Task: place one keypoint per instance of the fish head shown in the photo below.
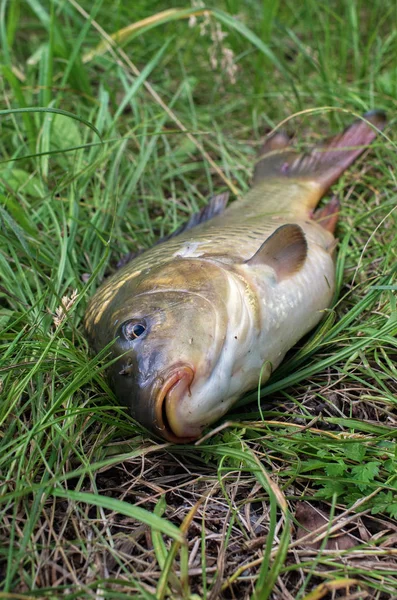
(168, 327)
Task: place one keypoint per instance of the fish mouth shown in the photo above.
(169, 422)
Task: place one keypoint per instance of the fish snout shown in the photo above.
(170, 422)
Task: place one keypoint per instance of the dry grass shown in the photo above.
(77, 547)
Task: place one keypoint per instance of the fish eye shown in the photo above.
(133, 329)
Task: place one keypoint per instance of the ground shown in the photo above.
(164, 114)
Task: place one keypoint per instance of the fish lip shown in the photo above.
(176, 383)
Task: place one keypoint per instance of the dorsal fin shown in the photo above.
(284, 251)
(215, 207)
(327, 161)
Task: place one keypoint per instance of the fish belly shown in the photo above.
(290, 308)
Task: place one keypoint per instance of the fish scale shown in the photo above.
(194, 322)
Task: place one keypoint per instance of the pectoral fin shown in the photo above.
(284, 251)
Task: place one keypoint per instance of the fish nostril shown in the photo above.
(127, 370)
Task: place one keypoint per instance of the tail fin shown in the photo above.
(326, 162)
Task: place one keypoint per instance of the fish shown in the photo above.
(193, 323)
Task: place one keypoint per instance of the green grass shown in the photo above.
(90, 505)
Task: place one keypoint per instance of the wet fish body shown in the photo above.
(196, 320)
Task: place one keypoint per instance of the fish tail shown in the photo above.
(325, 163)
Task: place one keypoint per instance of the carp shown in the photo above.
(197, 319)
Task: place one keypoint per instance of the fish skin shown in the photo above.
(225, 301)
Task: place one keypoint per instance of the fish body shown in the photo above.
(198, 319)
